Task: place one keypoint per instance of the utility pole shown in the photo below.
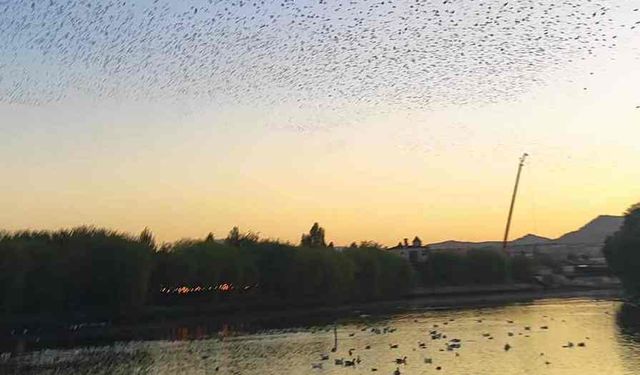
(513, 201)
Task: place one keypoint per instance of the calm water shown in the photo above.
(608, 329)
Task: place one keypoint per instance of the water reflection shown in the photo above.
(604, 338)
(122, 359)
(628, 319)
(628, 323)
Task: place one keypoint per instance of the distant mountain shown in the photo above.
(531, 239)
(595, 231)
(463, 245)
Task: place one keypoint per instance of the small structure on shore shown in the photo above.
(414, 252)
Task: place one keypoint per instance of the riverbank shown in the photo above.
(196, 322)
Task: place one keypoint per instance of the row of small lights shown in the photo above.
(224, 287)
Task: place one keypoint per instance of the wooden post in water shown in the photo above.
(335, 338)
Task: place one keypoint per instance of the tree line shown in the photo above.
(88, 269)
(475, 267)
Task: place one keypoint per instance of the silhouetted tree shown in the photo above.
(77, 270)
(87, 270)
(370, 245)
(147, 238)
(315, 238)
(486, 266)
(622, 251)
(233, 238)
(475, 266)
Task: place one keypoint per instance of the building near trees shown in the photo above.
(415, 252)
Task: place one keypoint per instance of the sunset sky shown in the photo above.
(190, 166)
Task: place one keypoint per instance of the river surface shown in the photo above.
(556, 336)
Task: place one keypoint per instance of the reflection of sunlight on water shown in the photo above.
(535, 332)
(628, 323)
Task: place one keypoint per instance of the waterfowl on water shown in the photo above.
(401, 361)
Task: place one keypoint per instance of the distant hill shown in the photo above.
(463, 245)
(531, 239)
(594, 232)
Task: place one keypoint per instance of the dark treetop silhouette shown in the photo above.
(97, 271)
(622, 251)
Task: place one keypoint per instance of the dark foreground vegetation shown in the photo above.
(87, 269)
(96, 271)
(622, 251)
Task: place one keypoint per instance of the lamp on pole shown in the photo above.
(513, 201)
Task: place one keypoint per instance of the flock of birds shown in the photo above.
(439, 340)
(443, 344)
(313, 54)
